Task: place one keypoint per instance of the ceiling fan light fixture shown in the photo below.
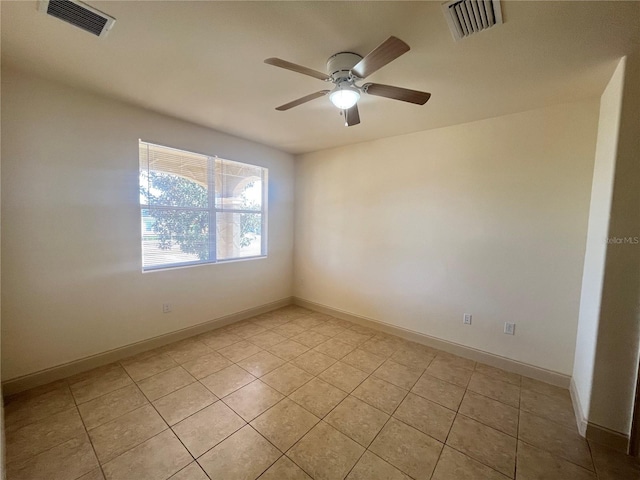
(344, 97)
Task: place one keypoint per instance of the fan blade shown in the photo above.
(300, 101)
(276, 62)
(396, 93)
(352, 116)
(385, 53)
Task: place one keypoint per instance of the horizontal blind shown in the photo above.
(199, 209)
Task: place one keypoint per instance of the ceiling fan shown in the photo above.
(344, 69)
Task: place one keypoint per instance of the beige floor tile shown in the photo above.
(145, 367)
(372, 467)
(557, 439)
(497, 389)
(318, 397)
(354, 338)
(37, 391)
(325, 453)
(363, 360)
(310, 338)
(158, 457)
(249, 330)
(289, 330)
(364, 330)
(266, 339)
(112, 405)
(31, 408)
(490, 412)
(320, 316)
(27, 441)
(536, 464)
(190, 472)
(328, 329)
(307, 322)
(449, 372)
(271, 322)
(284, 469)
(357, 420)
(399, 375)
(439, 391)
(253, 399)
(95, 474)
(340, 323)
(454, 465)
(343, 376)
(206, 365)
(261, 363)
(287, 378)
(556, 408)
(613, 465)
(313, 362)
(98, 382)
(409, 450)
(70, 459)
(335, 348)
(227, 380)
(184, 402)
(117, 436)
(426, 416)
(239, 351)
(218, 340)
(165, 382)
(380, 394)
(499, 374)
(186, 350)
(455, 360)
(416, 357)
(379, 346)
(284, 424)
(288, 350)
(484, 444)
(242, 456)
(208, 427)
(545, 388)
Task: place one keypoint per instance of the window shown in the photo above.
(198, 209)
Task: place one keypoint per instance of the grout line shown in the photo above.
(86, 431)
(378, 336)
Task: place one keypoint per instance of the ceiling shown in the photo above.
(203, 61)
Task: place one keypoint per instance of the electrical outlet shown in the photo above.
(510, 328)
(466, 319)
(166, 307)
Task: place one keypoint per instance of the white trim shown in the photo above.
(548, 376)
(581, 419)
(16, 385)
(596, 433)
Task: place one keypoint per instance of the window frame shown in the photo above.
(213, 210)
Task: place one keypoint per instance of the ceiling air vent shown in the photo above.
(79, 14)
(466, 17)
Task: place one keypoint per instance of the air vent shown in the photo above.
(79, 14)
(466, 17)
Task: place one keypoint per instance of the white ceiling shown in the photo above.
(203, 61)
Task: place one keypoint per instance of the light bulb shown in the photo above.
(344, 98)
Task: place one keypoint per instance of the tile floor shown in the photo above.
(295, 394)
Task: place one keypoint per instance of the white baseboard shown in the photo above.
(19, 384)
(548, 376)
(581, 419)
(596, 433)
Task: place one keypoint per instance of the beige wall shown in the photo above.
(71, 262)
(487, 218)
(595, 256)
(617, 350)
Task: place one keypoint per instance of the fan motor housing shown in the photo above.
(339, 65)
